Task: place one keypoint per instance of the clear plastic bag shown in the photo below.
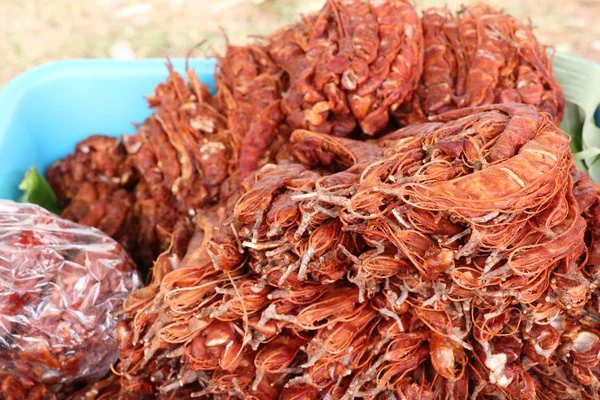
(62, 286)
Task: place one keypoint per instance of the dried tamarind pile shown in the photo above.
(350, 65)
(481, 56)
(451, 259)
(182, 149)
(137, 187)
(339, 71)
(304, 247)
(496, 237)
(353, 63)
(93, 184)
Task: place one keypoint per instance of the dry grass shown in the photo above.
(38, 31)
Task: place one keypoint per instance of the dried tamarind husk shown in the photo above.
(481, 56)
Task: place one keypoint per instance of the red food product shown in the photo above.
(93, 186)
(249, 89)
(481, 56)
(344, 68)
(454, 259)
(137, 187)
(349, 65)
(62, 286)
(99, 161)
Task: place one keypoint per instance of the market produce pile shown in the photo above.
(442, 260)
(479, 57)
(371, 205)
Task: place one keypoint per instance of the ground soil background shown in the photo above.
(38, 31)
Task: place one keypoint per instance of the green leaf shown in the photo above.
(580, 80)
(37, 190)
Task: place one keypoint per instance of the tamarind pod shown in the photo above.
(358, 45)
(432, 223)
(524, 124)
(249, 298)
(278, 354)
(447, 357)
(338, 339)
(534, 170)
(339, 303)
(484, 329)
(259, 196)
(270, 387)
(552, 100)
(541, 344)
(261, 134)
(538, 256)
(392, 373)
(267, 330)
(216, 345)
(437, 79)
(326, 372)
(486, 61)
(420, 130)
(405, 60)
(571, 293)
(383, 266)
(234, 381)
(584, 190)
(583, 345)
(283, 213)
(314, 149)
(529, 87)
(521, 383)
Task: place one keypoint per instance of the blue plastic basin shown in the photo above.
(47, 110)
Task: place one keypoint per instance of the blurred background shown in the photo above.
(38, 31)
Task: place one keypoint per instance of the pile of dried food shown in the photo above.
(371, 205)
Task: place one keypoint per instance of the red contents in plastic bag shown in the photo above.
(61, 287)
